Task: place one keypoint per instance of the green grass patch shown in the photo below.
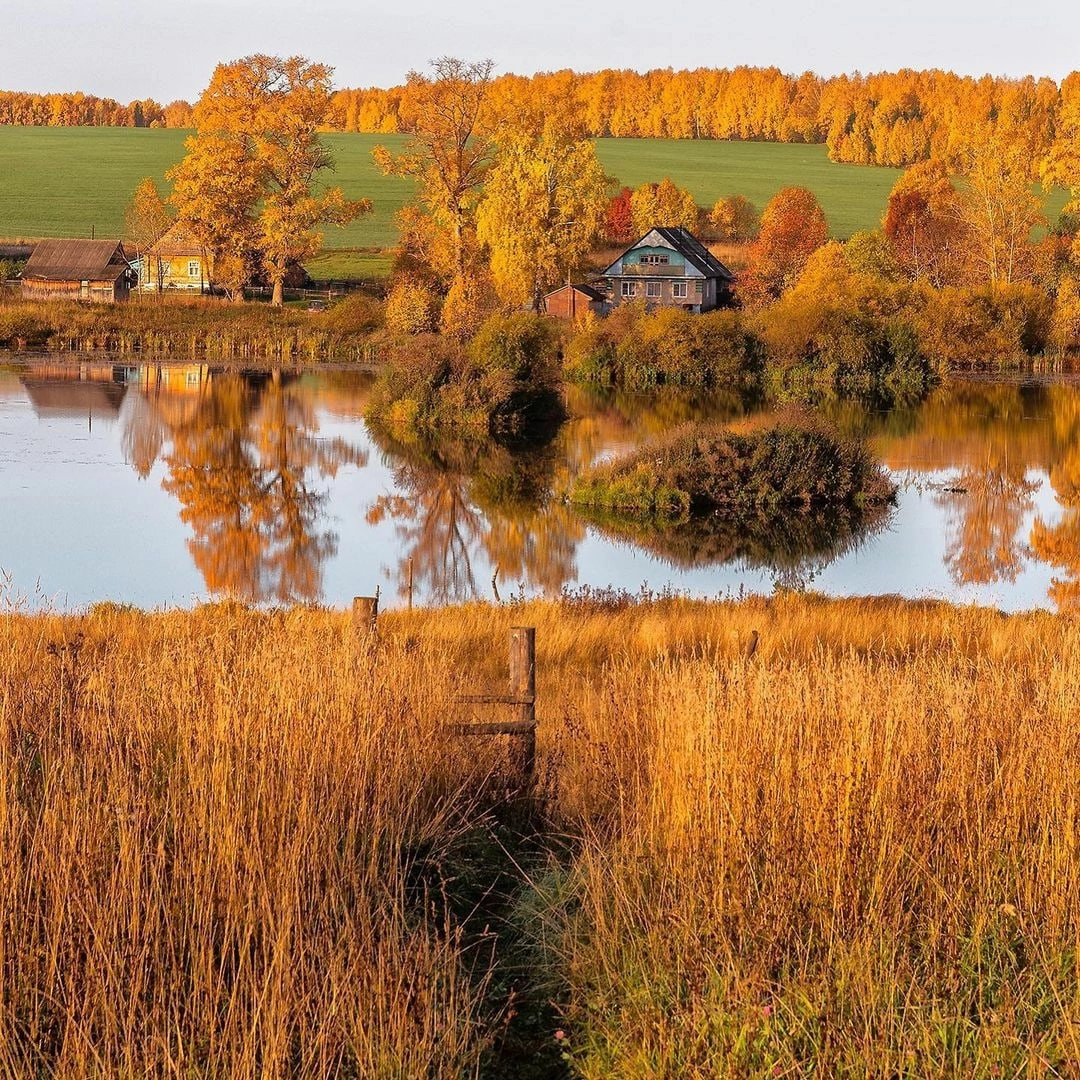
(349, 265)
(75, 181)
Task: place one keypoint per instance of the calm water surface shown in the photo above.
(167, 485)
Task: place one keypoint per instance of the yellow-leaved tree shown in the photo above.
(449, 151)
(249, 187)
(544, 205)
(665, 204)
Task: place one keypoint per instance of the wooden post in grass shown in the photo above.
(410, 582)
(365, 615)
(521, 699)
(523, 690)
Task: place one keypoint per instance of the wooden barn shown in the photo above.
(96, 270)
(573, 300)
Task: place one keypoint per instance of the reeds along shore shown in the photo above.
(231, 842)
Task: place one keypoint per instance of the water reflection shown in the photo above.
(457, 499)
(245, 463)
(794, 549)
(256, 478)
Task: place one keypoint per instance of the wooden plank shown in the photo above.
(505, 727)
(523, 687)
(494, 699)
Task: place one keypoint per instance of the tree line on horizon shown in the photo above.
(893, 118)
(21, 109)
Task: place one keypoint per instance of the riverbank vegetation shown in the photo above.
(794, 463)
(180, 327)
(849, 855)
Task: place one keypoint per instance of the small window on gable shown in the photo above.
(655, 260)
(652, 290)
(629, 288)
(194, 268)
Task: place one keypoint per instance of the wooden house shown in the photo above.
(94, 270)
(669, 267)
(177, 261)
(570, 301)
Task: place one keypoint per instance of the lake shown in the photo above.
(162, 485)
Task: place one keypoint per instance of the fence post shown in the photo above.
(410, 581)
(365, 614)
(523, 689)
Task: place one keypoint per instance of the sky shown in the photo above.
(128, 49)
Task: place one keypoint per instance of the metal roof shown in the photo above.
(76, 260)
(689, 246)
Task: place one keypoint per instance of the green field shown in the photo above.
(71, 181)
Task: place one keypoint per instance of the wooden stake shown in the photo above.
(410, 583)
(365, 614)
(523, 688)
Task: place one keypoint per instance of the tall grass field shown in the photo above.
(249, 844)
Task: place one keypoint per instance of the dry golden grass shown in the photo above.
(855, 854)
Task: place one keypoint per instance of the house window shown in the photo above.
(194, 268)
(678, 290)
(629, 289)
(655, 260)
(652, 290)
(698, 287)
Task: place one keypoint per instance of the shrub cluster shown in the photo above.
(180, 326)
(505, 376)
(671, 347)
(798, 462)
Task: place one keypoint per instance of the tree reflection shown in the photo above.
(463, 502)
(243, 464)
(986, 508)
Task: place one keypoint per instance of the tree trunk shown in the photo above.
(278, 299)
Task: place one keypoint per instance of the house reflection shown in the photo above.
(242, 456)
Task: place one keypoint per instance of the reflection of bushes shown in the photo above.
(797, 463)
(504, 380)
(776, 542)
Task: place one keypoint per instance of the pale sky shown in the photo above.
(129, 49)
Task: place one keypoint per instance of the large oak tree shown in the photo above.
(250, 186)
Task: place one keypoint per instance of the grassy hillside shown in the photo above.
(62, 181)
(247, 844)
(68, 181)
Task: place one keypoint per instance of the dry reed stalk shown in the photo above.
(855, 853)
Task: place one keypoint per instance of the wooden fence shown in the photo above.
(520, 697)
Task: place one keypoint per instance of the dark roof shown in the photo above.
(70, 398)
(76, 260)
(691, 248)
(585, 290)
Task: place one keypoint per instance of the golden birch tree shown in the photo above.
(449, 152)
(544, 205)
(665, 205)
(999, 210)
(146, 220)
